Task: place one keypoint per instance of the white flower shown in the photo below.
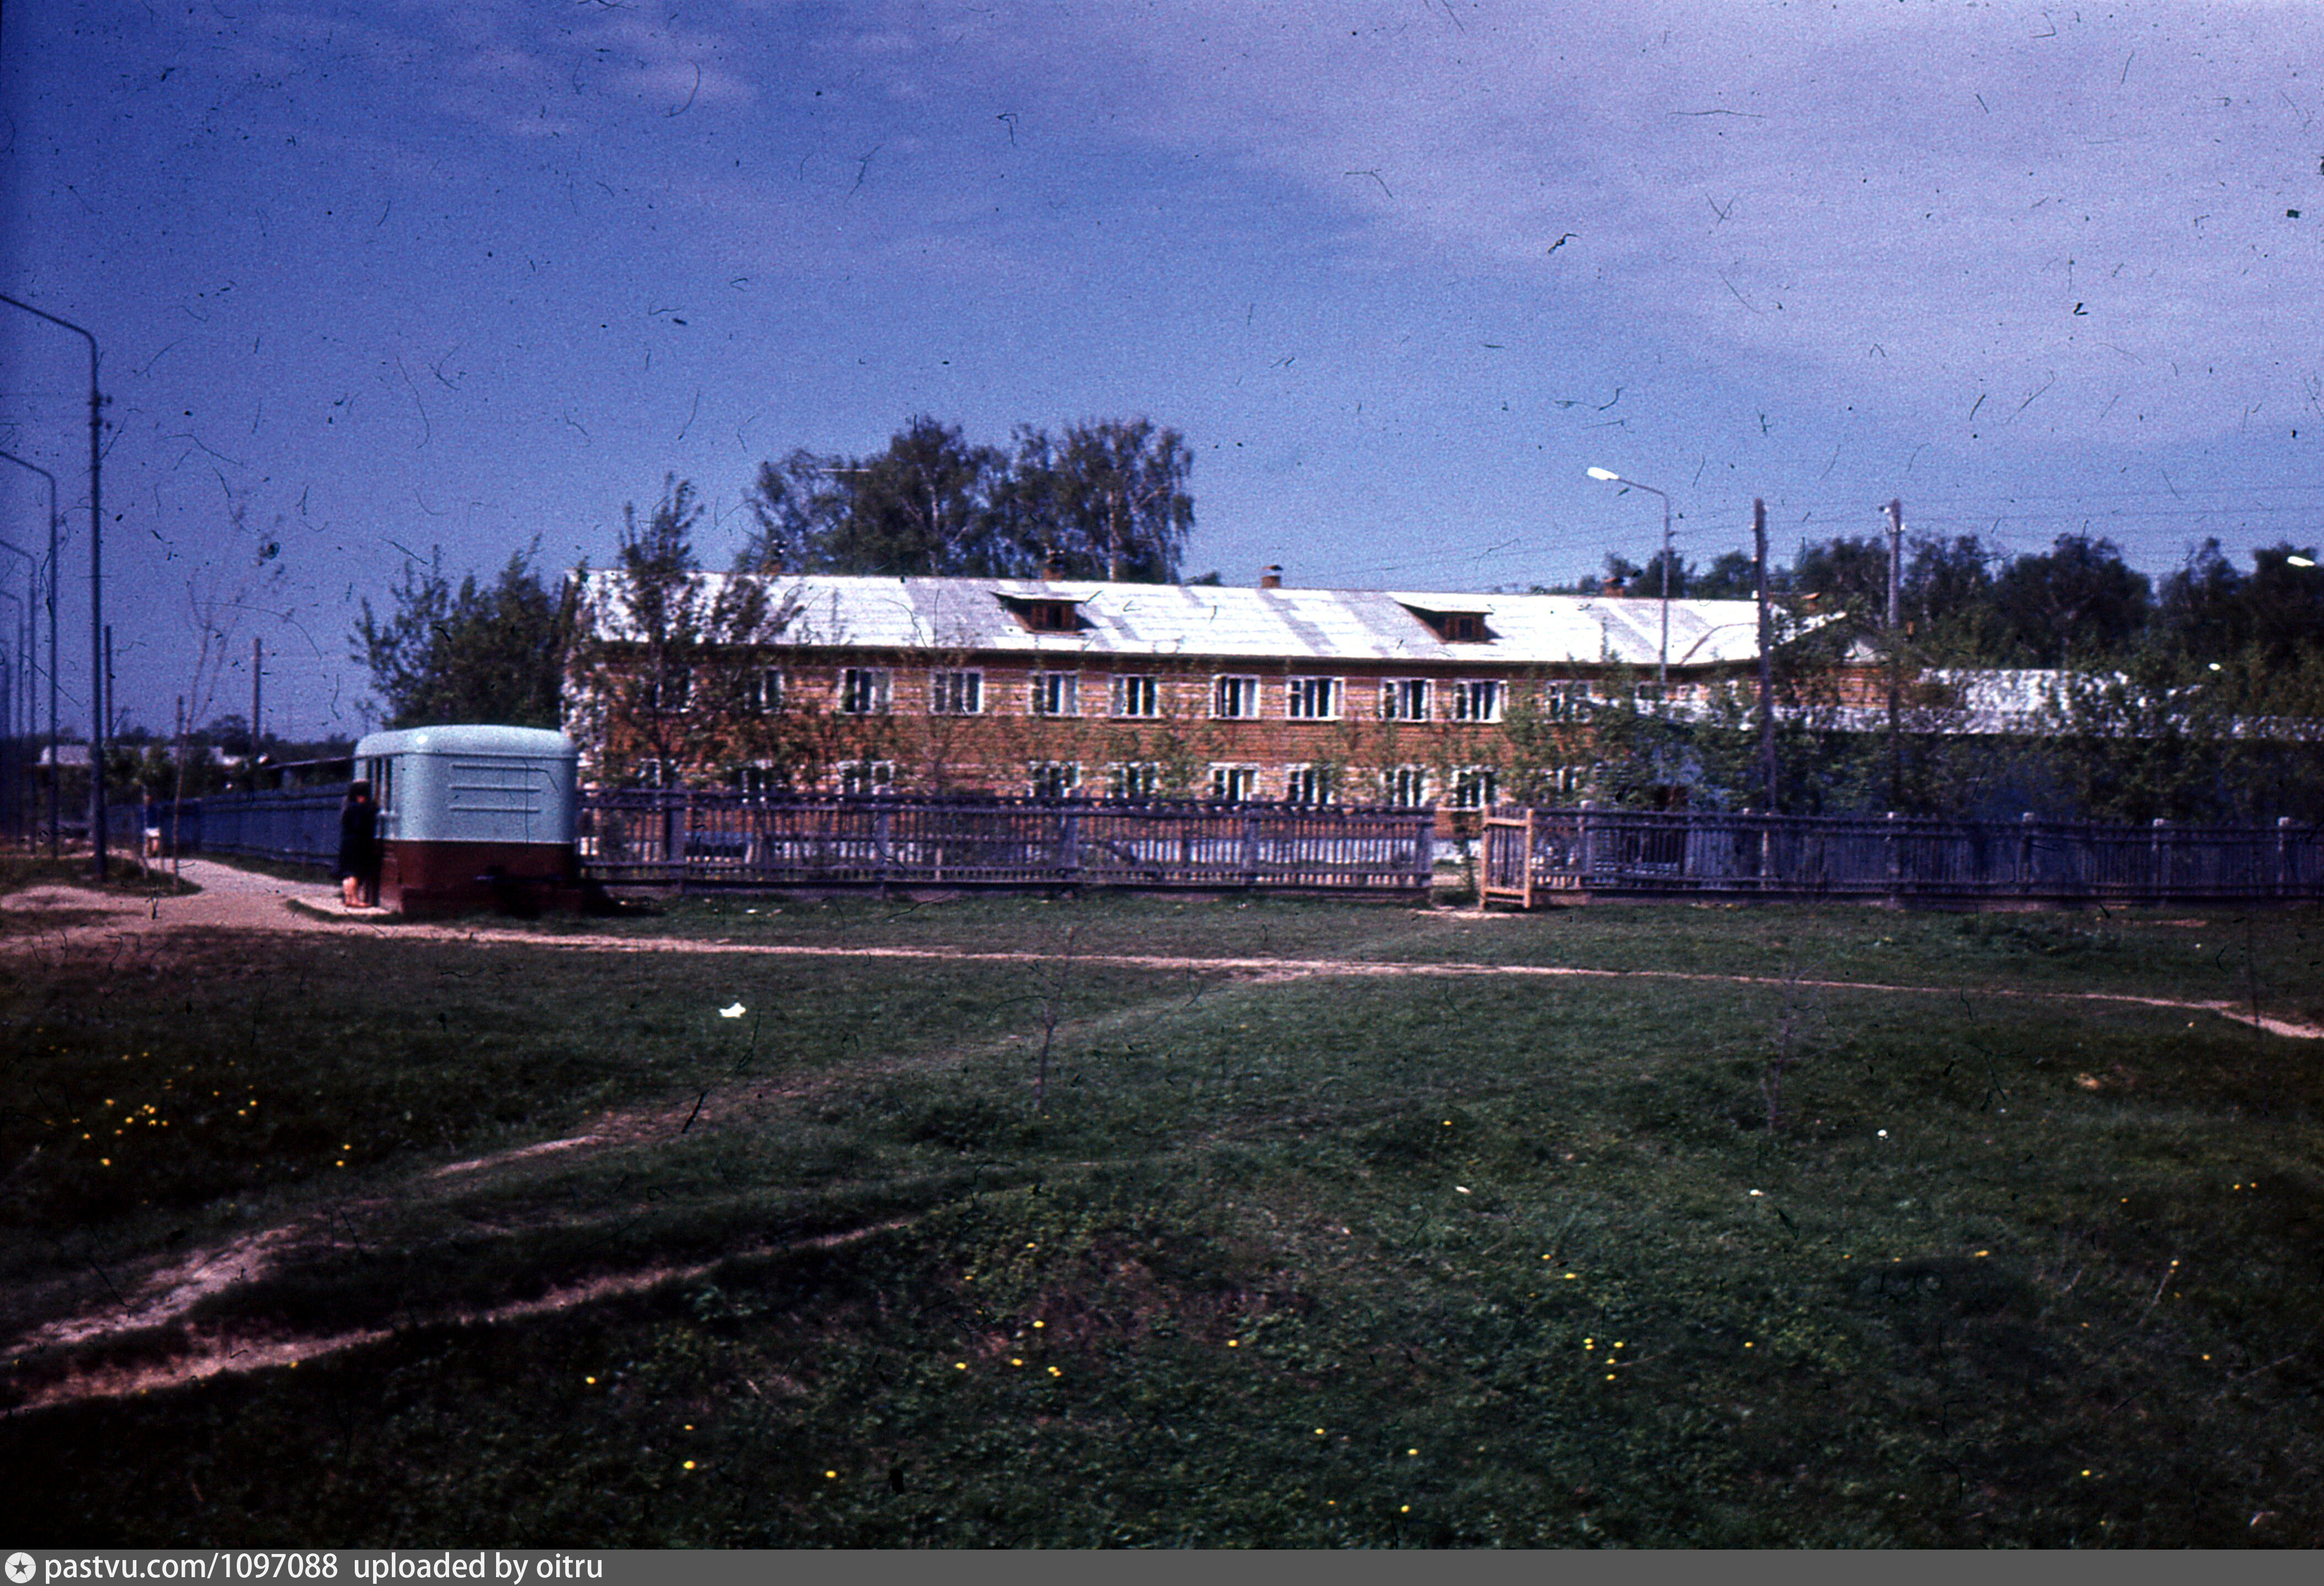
(1755, 1192)
(736, 1012)
(1884, 1134)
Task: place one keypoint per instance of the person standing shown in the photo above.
(359, 847)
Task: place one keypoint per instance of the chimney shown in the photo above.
(1053, 567)
(1270, 577)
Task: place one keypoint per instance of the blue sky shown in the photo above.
(406, 275)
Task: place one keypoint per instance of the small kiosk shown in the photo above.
(474, 817)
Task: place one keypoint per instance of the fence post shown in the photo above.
(1250, 848)
(2026, 851)
(883, 820)
(1585, 857)
(2284, 886)
(1069, 844)
(2158, 864)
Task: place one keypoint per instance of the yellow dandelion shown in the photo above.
(1055, 1372)
(1234, 1344)
(1610, 1377)
(1016, 1362)
(1041, 1324)
(960, 1365)
(1404, 1510)
(1572, 1276)
(1319, 1431)
(831, 1475)
(592, 1381)
(1746, 1343)
(104, 1161)
(689, 1464)
(1412, 1451)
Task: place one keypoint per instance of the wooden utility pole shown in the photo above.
(1895, 652)
(1767, 644)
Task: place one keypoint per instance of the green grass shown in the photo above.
(1281, 1263)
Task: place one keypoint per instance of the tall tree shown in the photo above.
(1104, 499)
(478, 653)
(924, 507)
(665, 661)
(2076, 601)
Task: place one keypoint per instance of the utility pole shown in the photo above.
(33, 715)
(255, 658)
(96, 582)
(1895, 651)
(1767, 644)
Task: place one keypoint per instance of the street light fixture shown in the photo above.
(97, 832)
(1662, 667)
(54, 520)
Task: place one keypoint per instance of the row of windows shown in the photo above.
(1405, 787)
(869, 691)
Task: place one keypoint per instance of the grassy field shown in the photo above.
(1315, 1260)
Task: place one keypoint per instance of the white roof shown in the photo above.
(1239, 624)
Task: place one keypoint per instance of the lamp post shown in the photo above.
(53, 778)
(95, 589)
(1662, 667)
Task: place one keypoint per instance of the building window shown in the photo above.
(1057, 694)
(1054, 779)
(671, 691)
(1407, 785)
(1137, 696)
(762, 779)
(1140, 779)
(1045, 617)
(1477, 699)
(860, 778)
(1565, 702)
(1474, 787)
(864, 691)
(1312, 699)
(955, 694)
(654, 773)
(1404, 699)
(1234, 698)
(762, 689)
(1310, 784)
(1234, 784)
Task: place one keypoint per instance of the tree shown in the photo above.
(1105, 499)
(2076, 601)
(494, 653)
(665, 661)
(923, 508)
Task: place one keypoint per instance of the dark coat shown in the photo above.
(358, 838)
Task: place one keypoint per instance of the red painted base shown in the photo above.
(466, 878)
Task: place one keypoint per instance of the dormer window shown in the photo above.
(1045, 614)
(1455, 627)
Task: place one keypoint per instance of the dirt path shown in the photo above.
(236, 899)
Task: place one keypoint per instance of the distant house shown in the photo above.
(1134, 690)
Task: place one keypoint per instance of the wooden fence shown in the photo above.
(730, 839)
(1535, 855)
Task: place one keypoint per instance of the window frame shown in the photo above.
(1120, 774)
(944, 685)
(1120, 686)
(1245, 686)
(1466, 691)
(1301, 688)
(881, 681)
(1312, 784)
(878, 776)
(1468, 782)
(1234, 782)
(1395, 693)
(1051, 680)
(1034, 778)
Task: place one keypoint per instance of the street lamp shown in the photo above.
(1662, 667)
(53, 569)
(97, 834)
